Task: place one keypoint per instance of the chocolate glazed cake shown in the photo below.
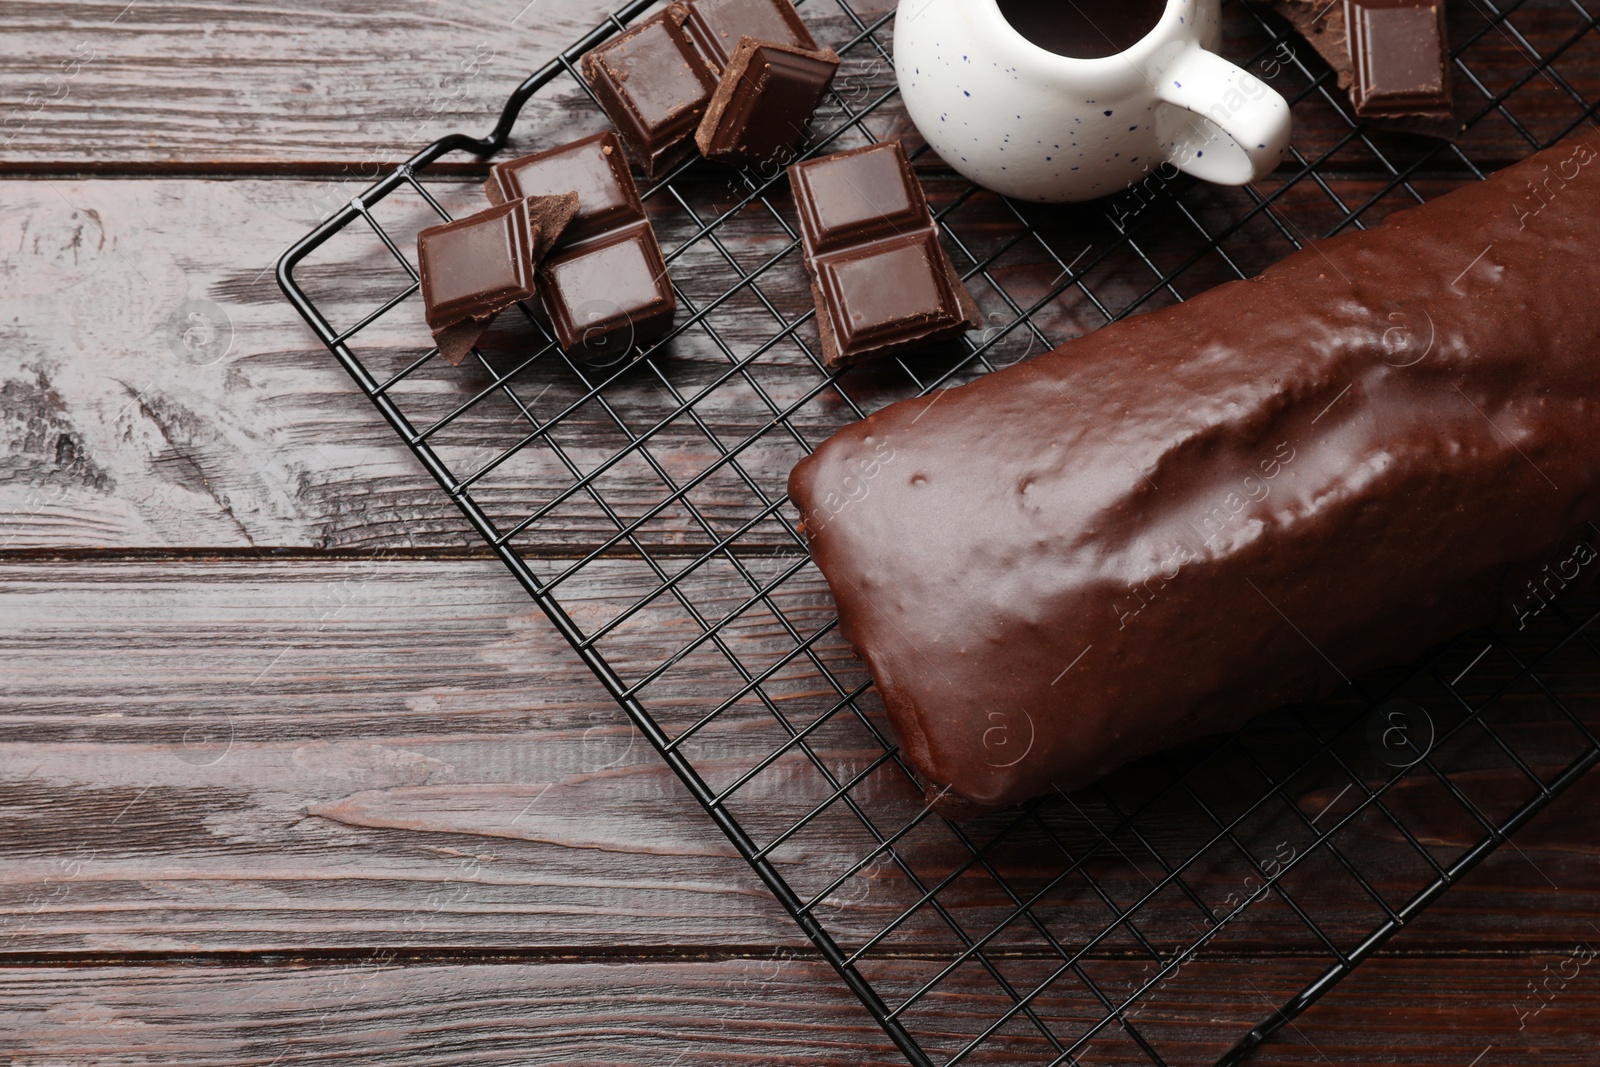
(1189, 517)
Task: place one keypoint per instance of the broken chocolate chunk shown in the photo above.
(716, 27)
(1327, 26)
(604, 286)
(654, 84)
(475, 267)
(764, 102)
(592, 167)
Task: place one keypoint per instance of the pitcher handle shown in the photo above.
(1232, 128)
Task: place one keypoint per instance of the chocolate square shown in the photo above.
(654, 85)
(1331, 29)
(1397, 53)
(717, 25)
(593, 167)
(856, 196)
(605, 295)
(881, 293)
(764, 102)
(1399, 61)
(881, 280)
(473, 268)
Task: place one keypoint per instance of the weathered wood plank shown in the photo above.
(262, 88)
(388, 753)
(775, 1009)
(360, 84)
(347, 90)
(214, 732)
(157, 391)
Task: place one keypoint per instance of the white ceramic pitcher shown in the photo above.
(1035, 125)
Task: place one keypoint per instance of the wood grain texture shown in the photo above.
(772, 1009)
(232, 784)
(259, 87)
(347, 89)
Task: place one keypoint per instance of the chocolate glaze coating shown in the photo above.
(1161, 529)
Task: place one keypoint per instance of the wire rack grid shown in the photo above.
(642, 507)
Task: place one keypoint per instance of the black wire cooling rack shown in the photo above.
(1077, 928)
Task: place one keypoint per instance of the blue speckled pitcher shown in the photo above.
(1035, 125)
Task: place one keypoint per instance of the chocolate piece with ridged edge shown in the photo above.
(473, 268)
(882, 282)
(654, 85)
(1399, 60)
(1192, 516)
(1323, 25)
(716, 27)
(764, 102)
(604, 287)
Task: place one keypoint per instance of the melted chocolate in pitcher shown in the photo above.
(1083, 29)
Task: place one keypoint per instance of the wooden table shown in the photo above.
(272, 721)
